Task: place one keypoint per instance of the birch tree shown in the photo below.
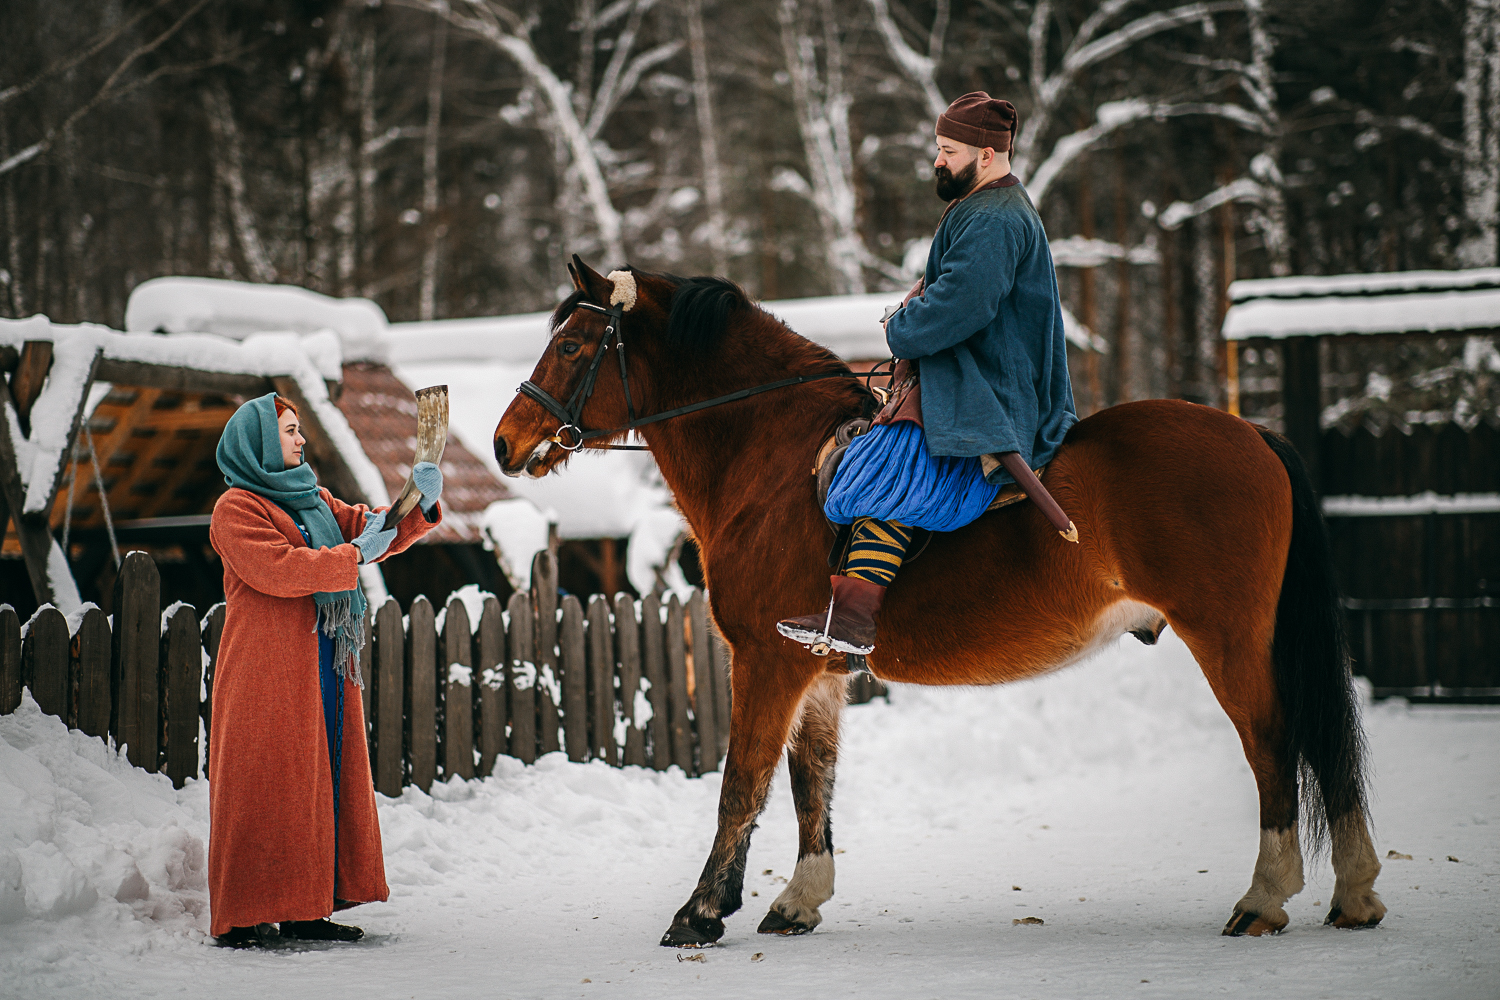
(1481, 137)
(575, 114)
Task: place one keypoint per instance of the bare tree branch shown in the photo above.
(103, 42)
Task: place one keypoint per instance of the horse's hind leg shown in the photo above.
(764, 706)
(811, 757)
(1241, 674)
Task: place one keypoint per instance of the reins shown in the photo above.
(571, 413)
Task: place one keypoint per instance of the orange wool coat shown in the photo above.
(270, 792)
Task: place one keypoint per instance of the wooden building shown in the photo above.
(112, 449)
(1413, 512)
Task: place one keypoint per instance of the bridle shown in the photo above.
(571, 435)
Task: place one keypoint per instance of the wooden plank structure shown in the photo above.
(1413, 514)
(661, 679)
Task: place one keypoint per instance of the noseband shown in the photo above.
(571, 435)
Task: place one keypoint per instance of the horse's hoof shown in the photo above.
(1338, 918)
(694, 932)
(1243, 923)
(775, 923)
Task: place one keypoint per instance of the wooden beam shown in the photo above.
(1302, 401)
(31, 374)
(35, 538)
(151, 376)
(333, 471)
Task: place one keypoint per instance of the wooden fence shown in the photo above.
(1414, 522)
(625, 681)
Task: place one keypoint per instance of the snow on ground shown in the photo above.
(1111, 800)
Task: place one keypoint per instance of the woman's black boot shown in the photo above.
(259, 936)
(320, 930)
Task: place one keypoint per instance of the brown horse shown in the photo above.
(1186, 515)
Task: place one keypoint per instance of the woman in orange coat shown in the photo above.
(293, 831)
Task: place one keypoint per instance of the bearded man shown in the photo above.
(983, 372)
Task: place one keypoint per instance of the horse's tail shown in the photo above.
(1311, 656)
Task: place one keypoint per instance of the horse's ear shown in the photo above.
(590, 282)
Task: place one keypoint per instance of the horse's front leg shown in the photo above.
(767, 690)
(811, 759)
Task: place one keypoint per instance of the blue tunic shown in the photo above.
(988, 334)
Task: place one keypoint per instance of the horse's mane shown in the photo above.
(705, 308)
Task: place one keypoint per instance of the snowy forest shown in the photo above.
(444, 159)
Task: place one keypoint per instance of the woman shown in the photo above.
(293, 833)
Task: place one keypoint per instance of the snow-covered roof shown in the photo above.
(1399, 302)
(238, 309)
(848, 325)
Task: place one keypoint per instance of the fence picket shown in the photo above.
(421, 693)
(91, 644)
(212, 633)
(182, 656)
(388, 699)
(44, 653)
(721, 689)
(521, 673)
(136, 713)
(10, 659)
(628, 653)
(703, 685)
(544, 588)
(489, 675)
(575, 692)
(457, 743)
(601, 652)
(677, 686)
(654, 668)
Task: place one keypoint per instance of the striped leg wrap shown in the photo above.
(876, 550)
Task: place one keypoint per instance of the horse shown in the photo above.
(1186, 516)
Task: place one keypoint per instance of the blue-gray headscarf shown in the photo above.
(249, 455)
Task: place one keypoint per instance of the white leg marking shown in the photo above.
(1355, 867)
(1277, 878)
(811, 886)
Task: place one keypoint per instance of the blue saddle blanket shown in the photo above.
(887, 473)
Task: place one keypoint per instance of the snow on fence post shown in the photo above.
(544, 600)
(44, 654)
(520, 673)
(388, 699)
(575, 683)
(489, 675)
(703, 685)
(677, 685)
(456, 680)
(421, 693)
(654, 667)
(137, 646)
(91, 648)
(602, 682)
(10, 659)
(182, 649)
(628, 653)
(213, 631)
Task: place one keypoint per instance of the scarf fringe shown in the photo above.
(338, 620)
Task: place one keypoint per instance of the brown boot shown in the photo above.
(847, 626)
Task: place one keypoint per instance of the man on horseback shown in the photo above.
(984, 372)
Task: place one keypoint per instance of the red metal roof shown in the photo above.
(382, 411)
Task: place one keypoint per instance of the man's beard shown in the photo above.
(950, 185)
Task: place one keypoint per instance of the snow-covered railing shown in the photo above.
(626, 681)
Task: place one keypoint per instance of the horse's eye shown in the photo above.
(569, 348)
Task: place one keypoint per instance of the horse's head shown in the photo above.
(577, 380)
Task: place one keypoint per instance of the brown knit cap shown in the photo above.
(978, 119)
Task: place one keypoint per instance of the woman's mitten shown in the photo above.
(373, 541)
(428, 478)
